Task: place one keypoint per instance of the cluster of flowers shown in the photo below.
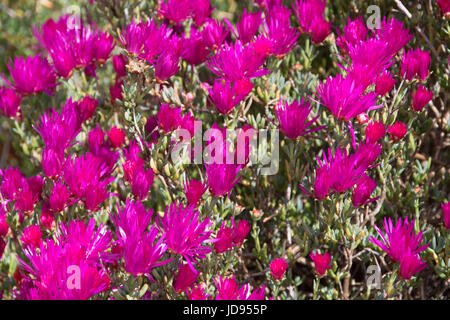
(181, 233)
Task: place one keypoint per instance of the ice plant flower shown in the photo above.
(116, 137)
(384, 83)
(222, 177)
(415, 62)
(400, 239)
(248, 25)
(141, 249)
(375, 130)
(278, 268)
(59, 197)
(116, 90)
(394, 34)
(142, 182)
(446, 214)
(421, 97)
(9, 102)
(225, 95)
(354, 32)
(32, 75)
(228, 289)
(185, 278)
(197, 292)
(277, 29)
(185, 234)
(398, 131)
(322, 262)
(233, 236)
(31, 237)
(215, 33)
(236, 62)
(169, 118)
(310, 17)
(410, 264)
(166, 66)
(195, 48)
(194, 191)
(293, 118)
(363, 190)
(119, 63)
(344, 98)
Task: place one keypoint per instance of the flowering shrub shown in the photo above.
(216, 150)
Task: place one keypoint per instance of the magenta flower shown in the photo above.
(410, 264)
(103, 46)
(185, 278)
(116, 137)
(354, 32)
(247, 26)
(363, 190)
(119, 63)
(384, 83)
(415, 63)
(225, 95)
(277, 29)
(201, 11)
(341, 172)
(277, 268)
(116, 91)
(228, 289)
(77, 250)
(236, 62)
(307, 10)
(222, 177)
(9, 102)
(322, 262)
(194, 191)
(2, 246)
(133, 162)
(169, 118)
(166, 66)
(86, 107)
(293, 118)
(375, 130)
(446, 214)
(141, 183)
(141, 250)
(400, 239)
(59, 197)
(320, 29)
(134, 36)
(233, 236)
(176, 11)
(185, 234)
(444, 5)
(32, 75)
(195, 48)
(214, 32)
(197, 293)
(397, 130)
(344, 98)
(151, 127)
(421, 98)
(393, 33)
(31, 237)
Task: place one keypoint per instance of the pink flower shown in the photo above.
(444, 5)
(363, 190)
(185, 233)
(421, 98)
(198, 293)
(116, 137)
(32, 75)
(362, 118)
(375, 130)
(410, 264)
(384, 83)
(185, 278)
(195, 48)
(116, 90)
(393, 33)
(225, 95)
(415, 62)
(141, 183)
(446, 214)
(176, 11)
(194, 191)
(142, 250)
(31, 237)
(277, 29)
(59, 197)
(293, 118)
(233, 236)
(119, 63)
(398, 131)
(344, 98)
(354, 32)
(222, 177)
(320, 29)
(236, 62)
(399, 239)
(2, 246)
(322, 262)
(214, 33)
(166, 66)
(169, 118)
(248, 25)
(9, 102)
(86, 107)
(228, 289)
(278, 268)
